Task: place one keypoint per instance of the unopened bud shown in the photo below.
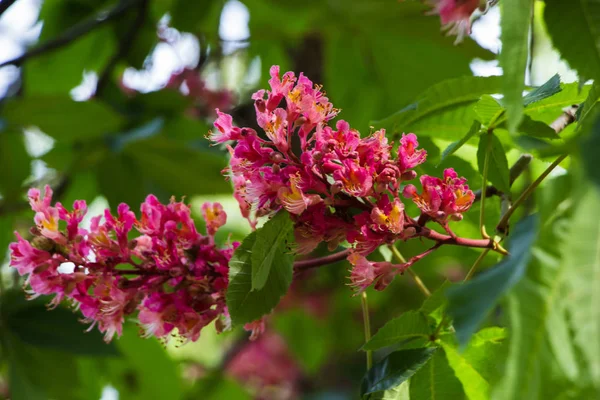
(336, 187)
(43, 243)
(317, 156)
(176, 271)
(276, 168)
(276, 157)
(408, 175)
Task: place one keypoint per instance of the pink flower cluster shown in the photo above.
(171, 274)
(266, 367)
(455, 15)
(336, 185)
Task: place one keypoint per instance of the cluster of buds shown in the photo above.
(174, 277)
(336, 185)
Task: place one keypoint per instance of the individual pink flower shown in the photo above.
(366, 273)
(408, 155)
(26, 258)
(293, 199)
(442, 199)
(214, 216)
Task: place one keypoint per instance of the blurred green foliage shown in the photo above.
(385, 64)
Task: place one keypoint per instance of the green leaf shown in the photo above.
(63, 118)
(272, 248)
(491, 284)
(454, 146)
(247, 305)
(59, 71)
(435, 305)
(498, 172)
(410, 325)
(395, 369)
(447, 99)
(548, 89)
(581, 252)
(536, 129)
(489, 110)
(58, 329)
(145, 371)
(401, 392)
(515, 21)
(436, 381)
(573, 27)
(590, 148)
(474, 385)
(16, 163)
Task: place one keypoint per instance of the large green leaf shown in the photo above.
(63, 118)
(272, 248)
(516, 18)
(436, 380)
(443, 102)
(410, 325)
(490, 285)
(401, 392)
(474, 385)
(574, 27)
(498, 172)
(548, 89)
(488, 110)
(247, 305)
(454, 146)
(581, 258)
(395, 369)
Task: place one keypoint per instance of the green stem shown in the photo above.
(476, 264)
(412, 273)
(367, 325)
(486, 167)
(501, 227)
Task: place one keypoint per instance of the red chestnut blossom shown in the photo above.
(365, 273)
(335, 184)
(172, 275)
(442, 199)
(455, 15)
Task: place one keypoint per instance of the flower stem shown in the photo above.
(476, 264)
(317, 262)
(486, 167)
(501, 227)
(412, 273)
(367, 325)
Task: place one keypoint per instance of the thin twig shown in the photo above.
(476, 264)
(125, 45)
(501, 227)
(486, 166)
(420, 284)
(367, 326)
(303, 265)
(74, 32)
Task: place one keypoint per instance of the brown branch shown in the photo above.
(74, 32)
(458, 241)
(303, 265)
(125, 45)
